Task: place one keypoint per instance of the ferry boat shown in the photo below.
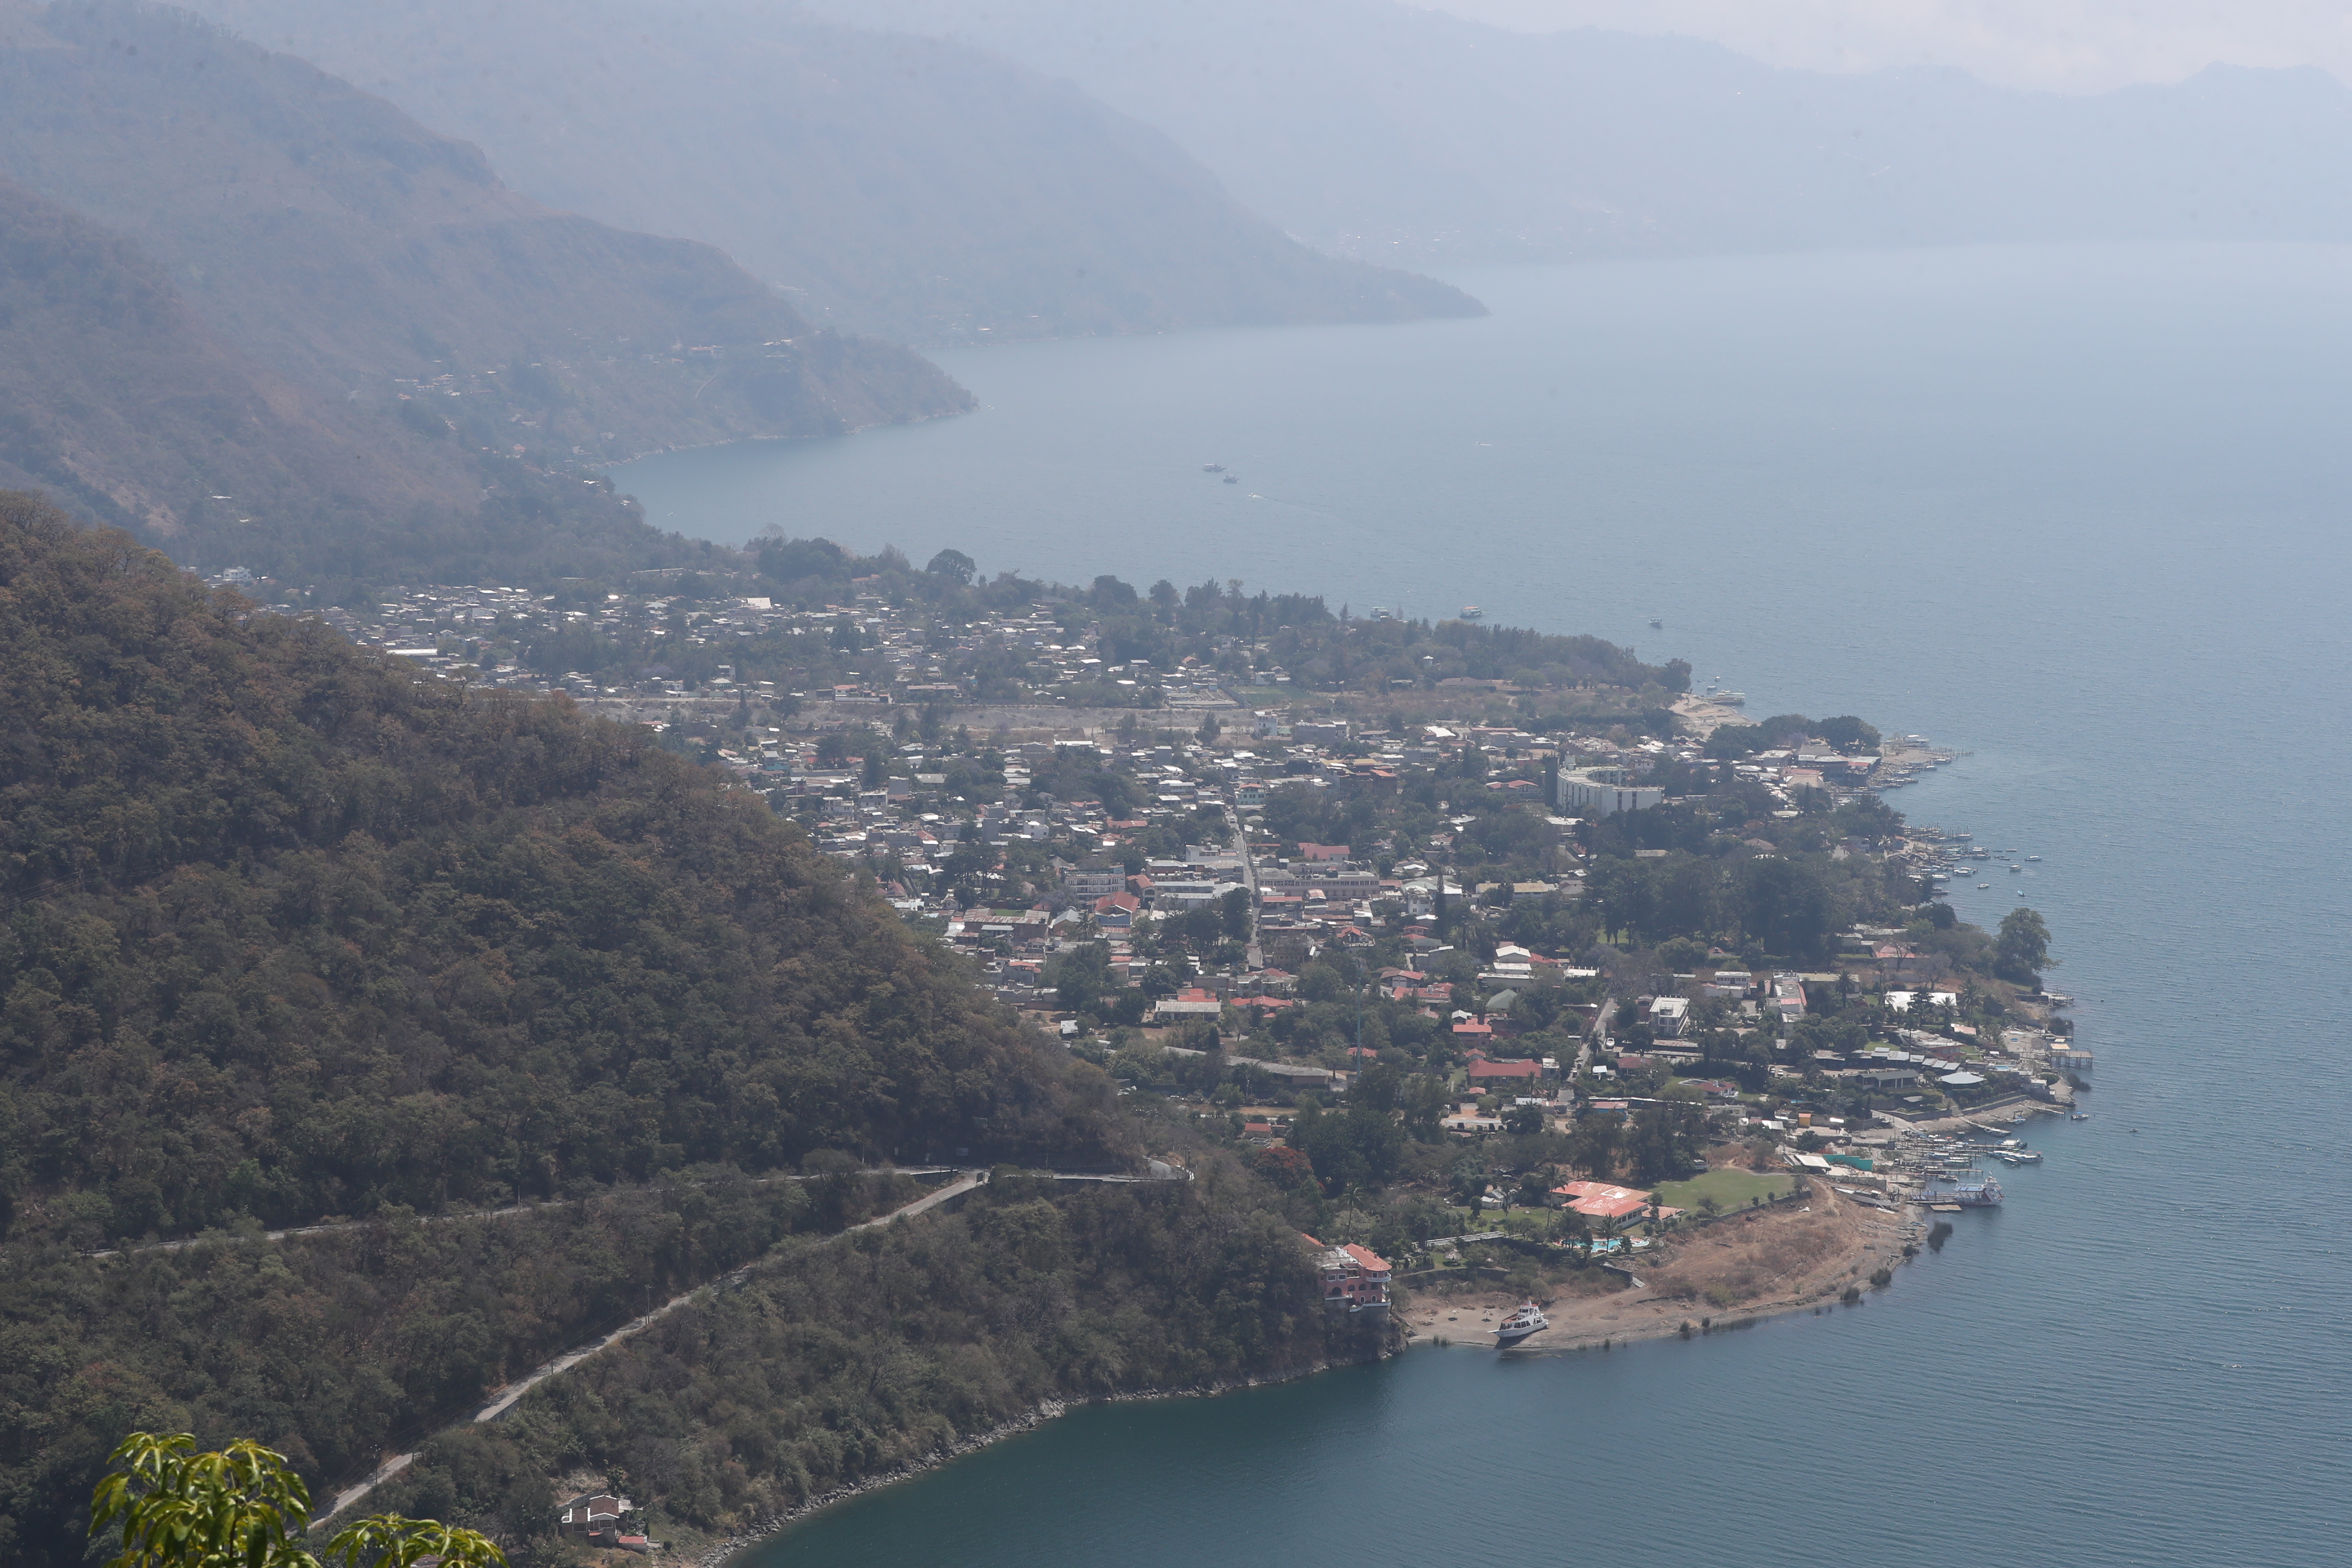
(1972, 1191)
(1213, 468)
(1472, 612)
(1656, 624)
(1528, 1319)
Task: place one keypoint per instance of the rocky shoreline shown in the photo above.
(1028, 1421)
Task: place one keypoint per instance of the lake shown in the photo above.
(2079, 511)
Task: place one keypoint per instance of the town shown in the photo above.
(1496, 971)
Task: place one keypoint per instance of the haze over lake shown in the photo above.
(2078, 511)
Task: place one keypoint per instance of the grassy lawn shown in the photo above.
(1730, 1188)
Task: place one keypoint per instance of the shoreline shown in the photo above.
(1030, 1420)
(1669, 1302)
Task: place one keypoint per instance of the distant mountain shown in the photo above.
(894, 185)
(1375, 129)
(118, 400)
(322, 232)
(126, 405)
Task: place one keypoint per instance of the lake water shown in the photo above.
(2079, 510)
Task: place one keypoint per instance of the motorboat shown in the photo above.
(1528, 1319)
(1213, 468)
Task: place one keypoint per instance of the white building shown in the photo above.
(1583, 795)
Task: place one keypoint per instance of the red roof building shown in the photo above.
(1355, 1279)
(1600, 1200)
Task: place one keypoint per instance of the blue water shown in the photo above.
(2079, 510)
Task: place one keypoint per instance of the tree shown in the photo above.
(1570, 1225)
(244, 1507)
(1237, 914)
(1848, 734)
(1468, 1181)
(953, 563)
(2021, 949)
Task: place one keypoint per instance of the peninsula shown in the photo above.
(513, 1001)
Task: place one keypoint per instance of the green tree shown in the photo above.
(244, 1507)
(1468, 1180)
(953, 563)
(2021, 949)
(1237, 914)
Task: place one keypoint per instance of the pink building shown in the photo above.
(1355, 1279)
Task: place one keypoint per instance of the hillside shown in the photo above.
(1378, 128)
(296, 934)
(913, 187)
(132, 409)
(297, 929)
(125, 406)
(321, 231)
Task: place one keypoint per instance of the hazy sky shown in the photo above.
(2070, 44)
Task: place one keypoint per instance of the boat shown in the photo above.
(2033, 856)
(2017, 867)
(1975, 1190)
(1656, 624)
(2080, 1116)
(1472, 612)
(1528, 1319)
(1984, 884)
(1213, 468)
(1231, 480)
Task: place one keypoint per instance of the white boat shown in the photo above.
(1472, 612)
(1213, 468)
(1528, 1319)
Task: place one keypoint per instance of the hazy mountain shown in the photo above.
(1379, 129)
(118, 400)
(896, 185)
(324, 233)
(123, 404)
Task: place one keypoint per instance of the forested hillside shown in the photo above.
(914, 188)
(294, 931)
(839, 1361)
(376, 264)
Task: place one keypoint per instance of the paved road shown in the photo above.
(1256, 956)
(512, 1392)
(510, 1211)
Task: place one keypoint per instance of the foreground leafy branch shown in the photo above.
(244, 1507)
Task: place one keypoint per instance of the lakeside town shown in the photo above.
(1522, 984)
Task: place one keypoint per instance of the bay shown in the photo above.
(2078, 511)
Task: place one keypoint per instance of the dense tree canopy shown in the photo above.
(293, 931)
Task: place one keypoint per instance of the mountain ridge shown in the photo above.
(1381, 130)
(895, 183)
(318, 228)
